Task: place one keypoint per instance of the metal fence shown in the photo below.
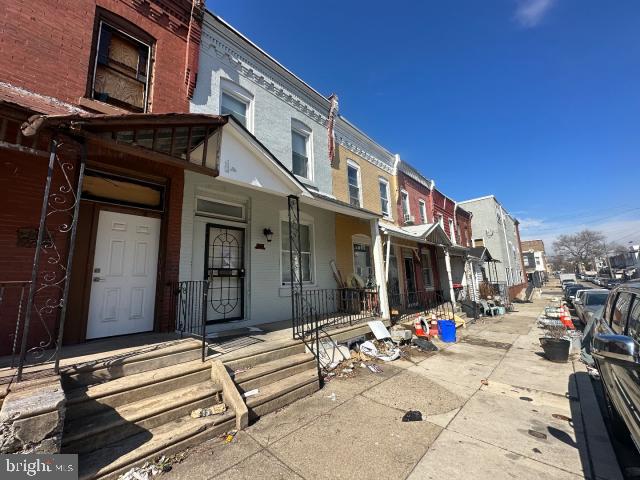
(13, 301)
(189, 307)
(421, 302)
(322, 308)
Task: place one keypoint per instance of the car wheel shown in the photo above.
(618, 427)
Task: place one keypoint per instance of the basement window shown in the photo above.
(121, 68)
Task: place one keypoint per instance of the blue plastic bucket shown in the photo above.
(447, 330)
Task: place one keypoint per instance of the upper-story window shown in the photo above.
(404, 198)
(423, 211)
(301, 160)
(384, 197)
(452, 231)
(121, 69)
(441, 220)
(237, 102)
(353, 180)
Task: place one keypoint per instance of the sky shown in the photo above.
(534, 101)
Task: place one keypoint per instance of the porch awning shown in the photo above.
(337, 206)
(185, 140)
(429, 233)
(482, 254)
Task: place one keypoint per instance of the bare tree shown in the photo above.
(616, 248)
(581, 247)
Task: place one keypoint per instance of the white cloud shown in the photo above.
(529, 13)
(531, 223)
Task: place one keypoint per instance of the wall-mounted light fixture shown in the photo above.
(268, 233)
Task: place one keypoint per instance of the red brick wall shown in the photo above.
(463, 219)
(442, 206)
(46, 46)
(416, 192)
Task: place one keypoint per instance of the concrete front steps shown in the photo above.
(120, 415)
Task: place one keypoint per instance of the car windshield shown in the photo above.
(597, 298)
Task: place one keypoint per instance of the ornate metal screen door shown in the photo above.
(224, 268)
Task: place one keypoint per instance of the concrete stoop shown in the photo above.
(120, 415)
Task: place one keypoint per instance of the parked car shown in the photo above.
(615, 349)
(590, 301)
(570, 292)
(612, 282)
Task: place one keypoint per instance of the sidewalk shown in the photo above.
(525, 423)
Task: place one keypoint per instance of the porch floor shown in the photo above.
(91, 351)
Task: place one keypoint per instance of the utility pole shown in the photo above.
(606, 256)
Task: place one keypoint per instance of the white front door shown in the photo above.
(123, 285)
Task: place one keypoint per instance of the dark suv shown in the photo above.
(616, 350)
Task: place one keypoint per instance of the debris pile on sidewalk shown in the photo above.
(151, 469)
(207, 412)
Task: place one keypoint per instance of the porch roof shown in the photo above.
(482, 254)
(184, 140)
(430, 233)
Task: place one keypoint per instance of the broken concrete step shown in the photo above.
(90, 433)
(103, 371)
(86, 400)
(274, 395)
(116, 458)
(273, 371)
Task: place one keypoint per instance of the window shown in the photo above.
(121, 69)
(441, 220)
(634, 320)
(427, 273)
(404, 196)
(353, 180)
(620, 311)
(362, 261)
(423, 211)
(306, 253)
(384, 197)
(230, 105)
(217, 208)
(301, 148)
(452, 232)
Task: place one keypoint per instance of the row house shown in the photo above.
(535, 262)
(497, 231)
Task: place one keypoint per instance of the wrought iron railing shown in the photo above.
(324, 308)
(189, 309)
(13, 301)
(422, 302)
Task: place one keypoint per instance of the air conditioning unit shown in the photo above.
(409, 219)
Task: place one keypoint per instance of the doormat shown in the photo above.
(231, 344)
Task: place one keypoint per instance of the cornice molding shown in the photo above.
(244, 62)
(364, 147)
(413, 174)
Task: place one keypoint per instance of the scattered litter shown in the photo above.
(401, 335)
(559, 416)
(375, 368)
(484, 382)
(230, 436)
(347, 370)
(240, 370)
(424, 344)
(371, 350)
(526, 399)
(151, 469)
(332, 397)
(536, 450)
(250, 393)
(206, 412)
(362, 365)
(412, 416)
(541, 435)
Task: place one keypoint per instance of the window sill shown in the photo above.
(101, 107)
(307, 181)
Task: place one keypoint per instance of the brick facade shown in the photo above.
(47, 46)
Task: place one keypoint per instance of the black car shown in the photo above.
(616, 350)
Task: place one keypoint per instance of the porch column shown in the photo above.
(378, 267)
(447, 264)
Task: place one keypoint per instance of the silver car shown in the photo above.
(589, 301)
(616, 350)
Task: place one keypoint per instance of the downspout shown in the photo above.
(506, 242)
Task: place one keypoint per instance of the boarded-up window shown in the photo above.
(121, 70)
